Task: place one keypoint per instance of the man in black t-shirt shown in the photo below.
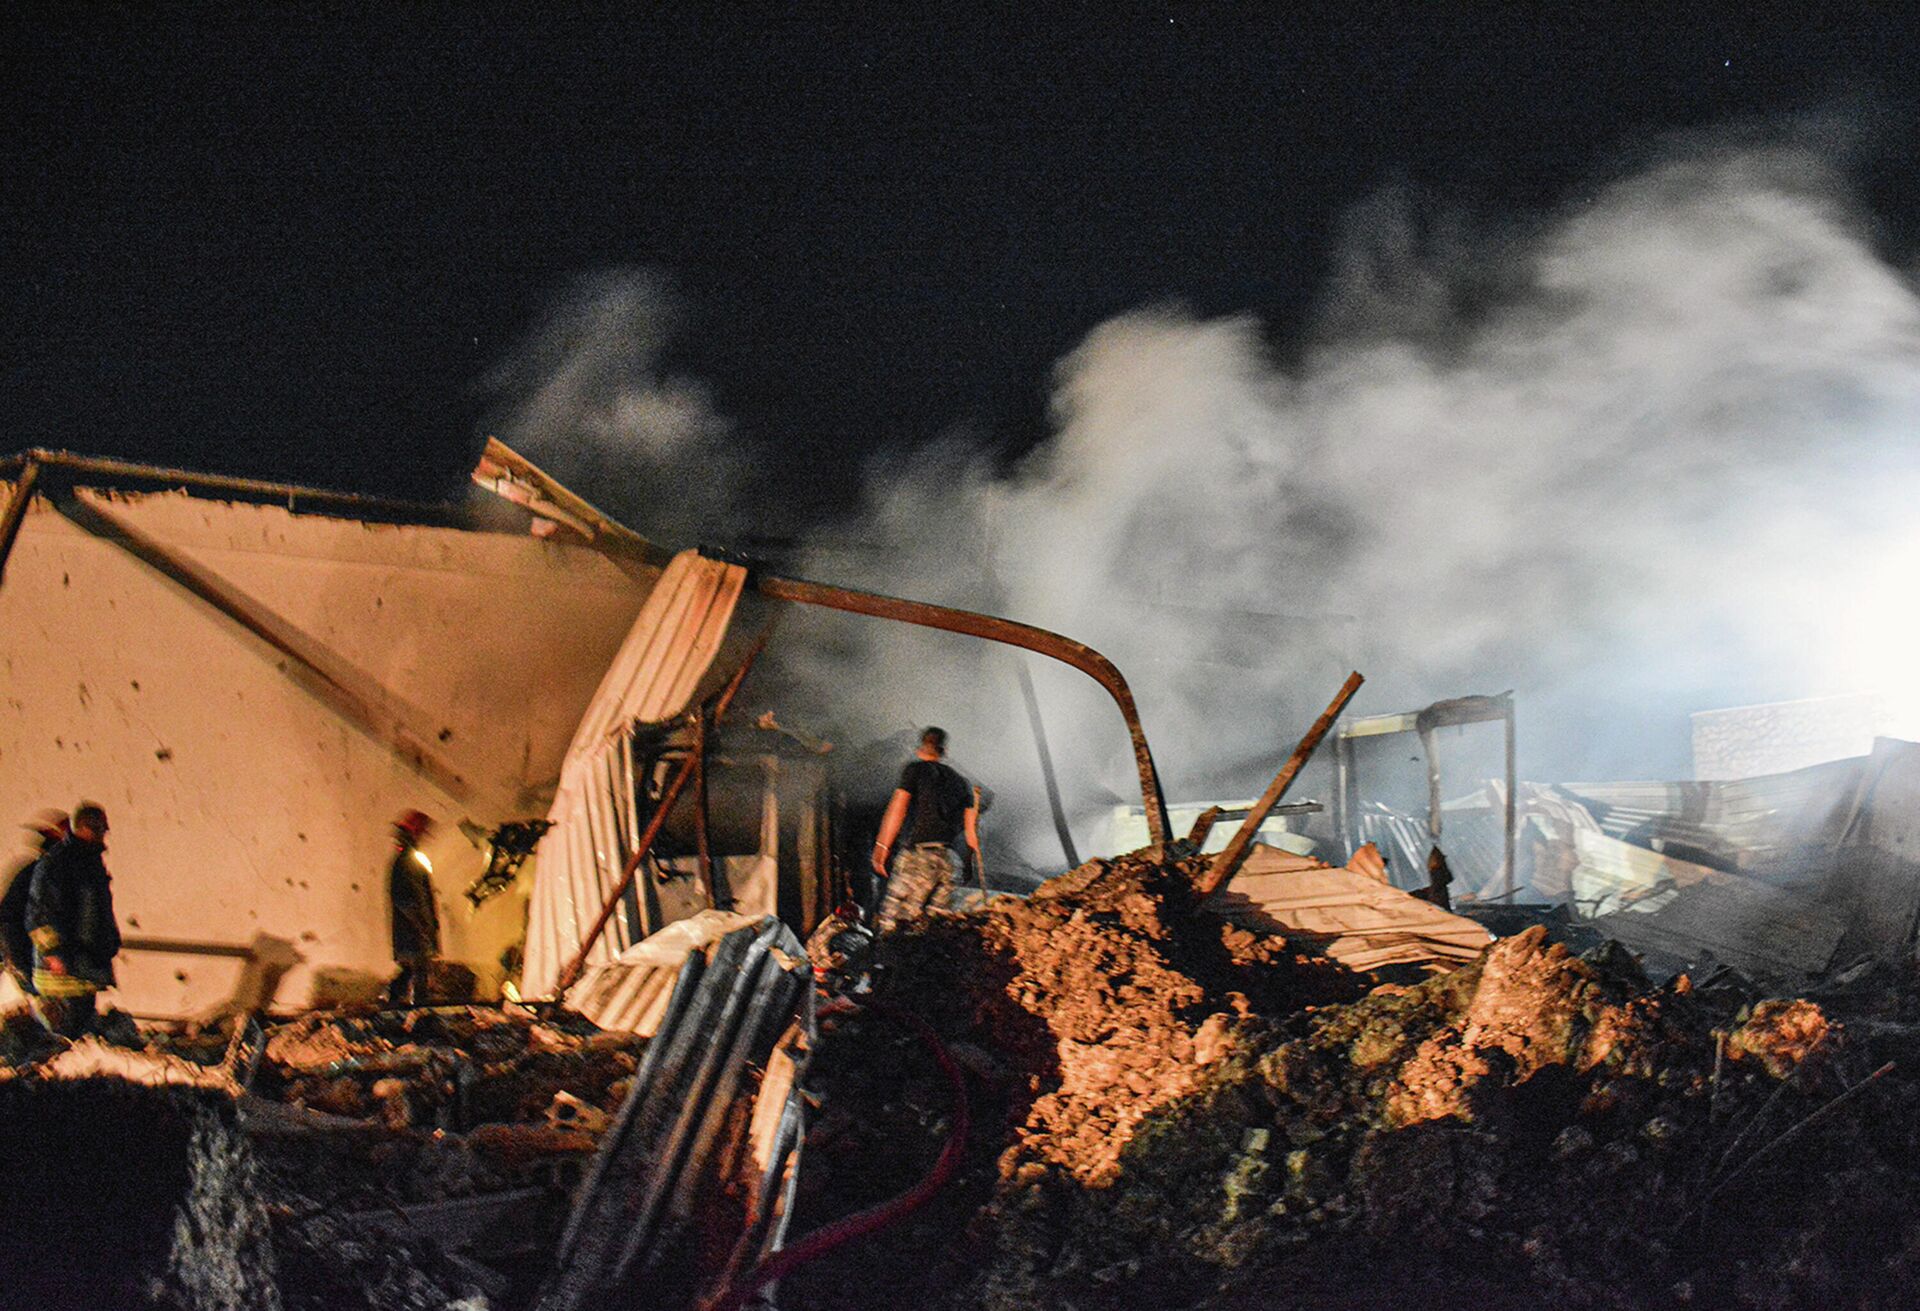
(933, 807)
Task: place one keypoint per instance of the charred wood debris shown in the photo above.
(1112, 1095)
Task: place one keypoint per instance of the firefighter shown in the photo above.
(70, 921)
(416, 922)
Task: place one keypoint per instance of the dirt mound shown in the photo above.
(1175, 1116)
(1101, 997)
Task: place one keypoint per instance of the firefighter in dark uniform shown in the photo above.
(416, 922)
(70, 922)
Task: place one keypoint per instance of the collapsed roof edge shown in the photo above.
(501, 471)
(511, 476)
(130, 475)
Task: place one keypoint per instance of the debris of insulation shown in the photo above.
(1174, 1111)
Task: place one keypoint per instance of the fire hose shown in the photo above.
(861, 1224)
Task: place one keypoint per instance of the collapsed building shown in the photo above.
(1242, 1053)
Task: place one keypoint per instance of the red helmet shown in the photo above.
(414, 823)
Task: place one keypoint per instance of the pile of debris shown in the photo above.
(371, 1159)
(1171, 1111)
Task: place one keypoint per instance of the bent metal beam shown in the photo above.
(994, 629)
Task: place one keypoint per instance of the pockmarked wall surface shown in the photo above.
(252, 766)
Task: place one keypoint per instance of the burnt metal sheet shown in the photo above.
(1763, 932)
(1876, 876)
(1736, 823)
(679, 1133)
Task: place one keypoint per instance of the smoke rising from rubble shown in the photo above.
(586, 394)
(1644, 474)
(1637, 459)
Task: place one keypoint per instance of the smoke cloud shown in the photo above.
(1653, 454)
(586, 395)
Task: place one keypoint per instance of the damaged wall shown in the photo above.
(249, 807)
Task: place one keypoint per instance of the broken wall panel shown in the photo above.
(679, 649)
(250, 812)
(1763, 932)
(1350, 914)
(1749, 823)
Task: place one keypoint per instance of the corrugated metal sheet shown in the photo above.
(1780, 876)
(1750, 823)
(1359, 921)
(1610, 875)
(1876, 878)
(1688, 912)
(679, 1137)
(1794, 872)
(662, 668)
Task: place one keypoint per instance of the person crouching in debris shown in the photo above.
(933, 806)
(416, 922)
(48, 828)
(70, 922)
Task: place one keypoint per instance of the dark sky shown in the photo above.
(289, 242)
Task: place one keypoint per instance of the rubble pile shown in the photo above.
(388, 1159)
(1166, 1117)
(447, 1068)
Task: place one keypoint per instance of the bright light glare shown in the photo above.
(1876, 634)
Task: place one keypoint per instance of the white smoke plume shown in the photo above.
(1652, 454)
(586, 395)
(1655, 455)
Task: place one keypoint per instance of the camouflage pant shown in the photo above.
(922, 878)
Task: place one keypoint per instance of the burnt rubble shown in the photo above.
(1173, 1113)
(1169, 1109)
(395, 1159)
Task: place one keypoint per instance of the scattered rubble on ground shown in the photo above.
(391, 1158)
(1170, 1113)
(1170, 1109)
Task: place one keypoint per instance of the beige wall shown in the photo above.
(242, 803)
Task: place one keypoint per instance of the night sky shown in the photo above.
(291, 242)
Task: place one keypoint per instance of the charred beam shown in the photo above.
(1047, 776)
(1229, 860)
(16, 512)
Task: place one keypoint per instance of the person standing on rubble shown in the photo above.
(416, 921)
(934, 807)
(70, 922)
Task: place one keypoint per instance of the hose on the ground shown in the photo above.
(872, 1220)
